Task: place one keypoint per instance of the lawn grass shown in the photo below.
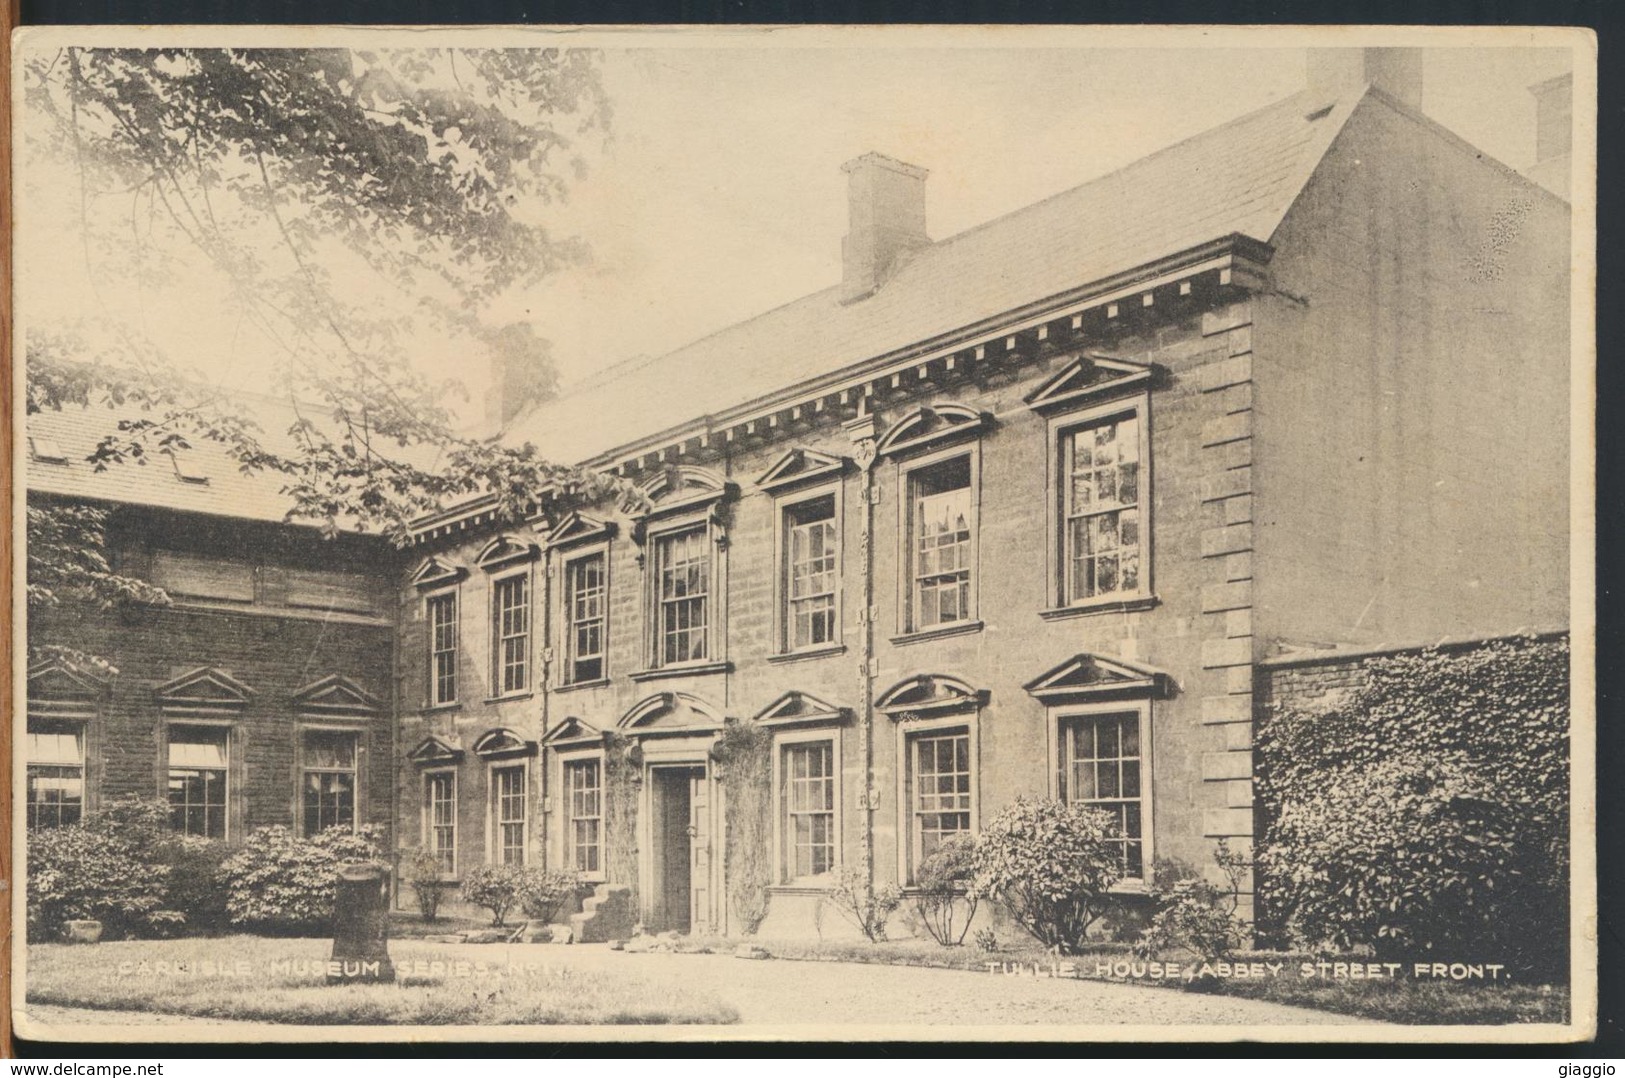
(407, 925)
(110, 976)
(1407, 1002)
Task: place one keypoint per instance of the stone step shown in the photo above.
(606, 914)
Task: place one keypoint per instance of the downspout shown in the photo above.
(544, 681)
(396, 765)
(862, 432)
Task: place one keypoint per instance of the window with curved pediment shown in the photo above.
(1099, 508)
(684, 541)
(807, 746)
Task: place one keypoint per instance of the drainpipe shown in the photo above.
(544, 679)
(862, 432)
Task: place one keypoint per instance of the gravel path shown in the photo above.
(840, 995)
(779, 992)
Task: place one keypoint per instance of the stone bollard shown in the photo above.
(361, 926)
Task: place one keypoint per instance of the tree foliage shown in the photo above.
(290, 171)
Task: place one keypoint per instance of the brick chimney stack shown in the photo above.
(1554, 136)
(886, 207)
(1397, 72)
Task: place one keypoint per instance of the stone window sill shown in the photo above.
(595, 683)
(1100, 606)
(958, 628)
(800, 888)
(431, 709)
(688, 670)
(809, 653)
(506, 697)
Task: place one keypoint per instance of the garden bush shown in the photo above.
(1406, 857)
(548, 892)
(499, 888)
(1050, 865)
(81, 873)
(421, 870)
(194, 885)
(865, 906)
(944, 881)
(1194, 915)
(1446, 775)
(281, 884)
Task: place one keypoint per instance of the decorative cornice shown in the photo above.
(572, 731)
(435, 750)
(641, 715)
(501, 743)
(1209, 273)
(801, 709)
(205, 687)
(577, 528)
(928, 426)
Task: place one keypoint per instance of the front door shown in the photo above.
(699, 858)
(682, 849)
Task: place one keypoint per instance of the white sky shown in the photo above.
(720, 194)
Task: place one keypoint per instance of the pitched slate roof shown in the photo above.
(1239, 178)
(76, 430)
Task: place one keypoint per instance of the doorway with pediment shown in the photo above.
(679, 870)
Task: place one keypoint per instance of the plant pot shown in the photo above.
(81, 931)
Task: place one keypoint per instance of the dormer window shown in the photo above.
(187, 467)
(46, 451)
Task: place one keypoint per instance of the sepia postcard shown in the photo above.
(804, 533)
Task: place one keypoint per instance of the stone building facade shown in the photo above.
(1015, 513)
(260, 695)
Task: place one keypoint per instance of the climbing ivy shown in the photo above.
(744, 755)
(1441, 783)
(623, 782)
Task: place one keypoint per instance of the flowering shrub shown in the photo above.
(281, 884)
(124, 867)
(862, 904)
(82, 873)
(944, 880)
(1428, 809)
(547, 892)
(1050, 865)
